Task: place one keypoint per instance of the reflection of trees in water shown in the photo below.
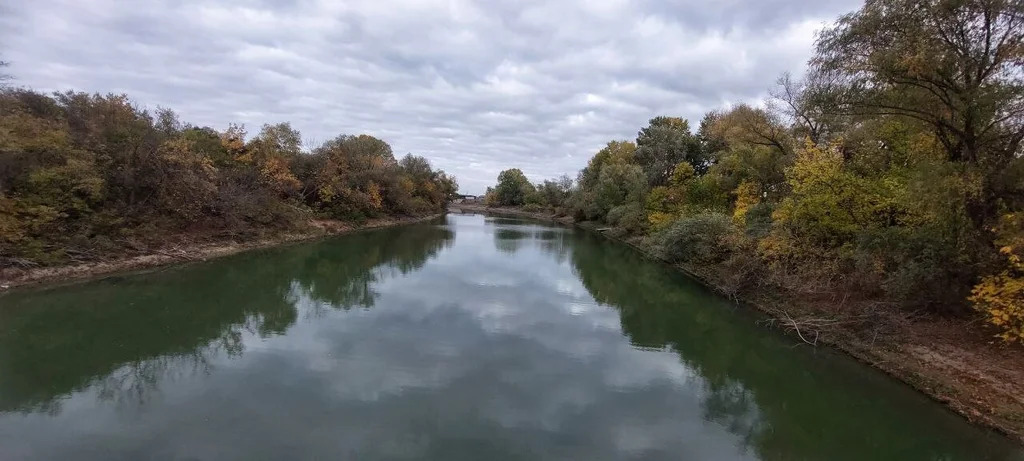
(342, 275)
(557, 243)
(499, 221)
(511, 235)
(126, 335)
(509, 240)
(754, 386)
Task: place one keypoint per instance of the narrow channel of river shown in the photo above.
(471, 338)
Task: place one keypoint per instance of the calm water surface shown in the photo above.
(473, 338)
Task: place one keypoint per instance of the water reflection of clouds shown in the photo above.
(518, 354)
(461, 347)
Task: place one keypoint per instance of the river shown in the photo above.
(469, 338)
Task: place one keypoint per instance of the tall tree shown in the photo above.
(622, 151)
(954, 65)
(664, 143)
(809, 104)
(512, 187)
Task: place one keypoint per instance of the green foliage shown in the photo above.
(619, 184)
(828, 204)
(757, 221)
(630, 218)
(513, 188)
(611, 179)
(663, 144)
(556, 192)
(698, 239)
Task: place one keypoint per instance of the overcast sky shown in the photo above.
(475, 86)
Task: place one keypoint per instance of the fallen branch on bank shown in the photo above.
(805, 327)
(17, 262)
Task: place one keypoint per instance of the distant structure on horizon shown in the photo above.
(460, 198)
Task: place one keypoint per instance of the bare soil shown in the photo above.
(954, 361)
(183, 248)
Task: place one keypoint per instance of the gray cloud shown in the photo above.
(475, 86)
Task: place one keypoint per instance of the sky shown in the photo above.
(476, 86)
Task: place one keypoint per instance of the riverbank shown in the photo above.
(953, 361)
(515, 213)
(188, 248)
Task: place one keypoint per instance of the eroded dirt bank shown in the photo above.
(185, 248)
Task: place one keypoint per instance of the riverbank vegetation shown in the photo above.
(87, 176)
(887, 180)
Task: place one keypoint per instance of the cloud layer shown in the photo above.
(475, 86)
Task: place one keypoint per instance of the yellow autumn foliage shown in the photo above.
(376, 199)
(1000, 297)
(277, 174)
(746, 197)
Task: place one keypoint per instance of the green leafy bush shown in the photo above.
(630, 217)
(697, 239)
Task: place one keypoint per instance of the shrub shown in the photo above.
(758, 220)
(629, 217)
(698, 238)
(1000, 297)
(740, 271)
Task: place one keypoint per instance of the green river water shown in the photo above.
(469, 338)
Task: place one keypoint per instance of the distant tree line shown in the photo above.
(83, 176)
(891, 173)
(514, 189)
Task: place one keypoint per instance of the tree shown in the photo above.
(555, 192)
(619, 196)
(416, 166)
(753, 127)
(664, 143)
(809, 104)
(84, 175)
(594, 196)
(828, 204)
(372, 150)
(185, 180)
(623, 151)
(278, 140)
(512, 187)
(448, 185)
(710, 141)
(953, 65)
(167, 122)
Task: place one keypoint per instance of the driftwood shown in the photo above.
(18, 262)
(806, 327)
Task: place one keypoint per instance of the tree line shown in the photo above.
(84, 176)
(891, 173)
